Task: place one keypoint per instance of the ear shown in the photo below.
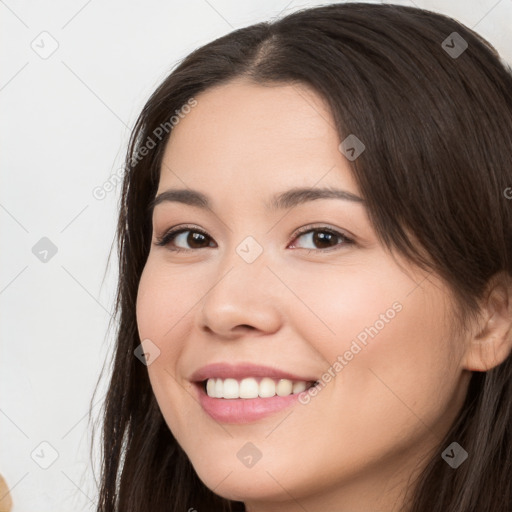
(491, 342)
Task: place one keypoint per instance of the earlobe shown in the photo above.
(492, 343)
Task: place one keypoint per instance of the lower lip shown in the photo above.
(243, 410)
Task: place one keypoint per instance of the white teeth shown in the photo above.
(219, 388)
(210, 387)
(298, 387)
(267, 388)
(250, 388)
(231, 388)
(284, 387)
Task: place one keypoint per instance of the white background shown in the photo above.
(65, 124)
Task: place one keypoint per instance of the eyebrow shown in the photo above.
(281, 201)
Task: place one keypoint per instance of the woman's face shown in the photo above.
(312, 306)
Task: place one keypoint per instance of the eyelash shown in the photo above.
(170, 235)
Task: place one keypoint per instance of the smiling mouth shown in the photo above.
(253, 387)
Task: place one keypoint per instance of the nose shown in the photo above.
(246, 297)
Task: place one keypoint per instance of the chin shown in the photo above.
(244, 484)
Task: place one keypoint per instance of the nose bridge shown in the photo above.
(242, 272)
(241, 293)
(247, 248)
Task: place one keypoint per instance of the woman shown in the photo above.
(315, 298)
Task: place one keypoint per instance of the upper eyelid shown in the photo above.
(177, 230)
(299, 231)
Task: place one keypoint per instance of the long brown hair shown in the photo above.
(437, 129)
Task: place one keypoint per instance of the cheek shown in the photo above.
(389, 359)
(157, 314)
(161, 301)
(165, 301)
(339, 304)
(375, 316)
(398, 366)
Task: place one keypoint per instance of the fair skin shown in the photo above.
(355, 445)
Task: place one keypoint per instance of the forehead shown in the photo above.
(257, 137)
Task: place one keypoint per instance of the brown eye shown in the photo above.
(195, 239)
(323, 239)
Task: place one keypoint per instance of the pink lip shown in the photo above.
(241, 371)
(243, 410)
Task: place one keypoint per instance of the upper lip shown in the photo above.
(243, 370)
